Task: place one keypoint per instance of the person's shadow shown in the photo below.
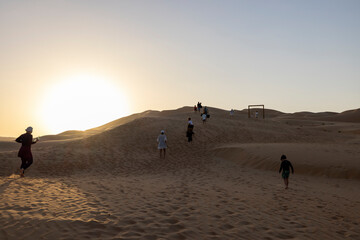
(6, 184)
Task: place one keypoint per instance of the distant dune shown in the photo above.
(74, 134)
(6, 139)
(347, 116)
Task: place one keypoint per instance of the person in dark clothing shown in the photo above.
(189, 131)
(285, 167)
(189, 134)
(206, 111)
(25, 154)
(199, 106)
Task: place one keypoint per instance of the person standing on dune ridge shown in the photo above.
(232, 112)
(199, 106)
(24, 153)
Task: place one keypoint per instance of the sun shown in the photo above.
(82, 102)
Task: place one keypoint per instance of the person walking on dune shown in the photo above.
(206, 111)
(25, 154)
(162, 143)
(285, 167)
(190, 129)
(189, 134)
(203, 117)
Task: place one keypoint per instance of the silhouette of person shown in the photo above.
(24, 153)
(285, 167)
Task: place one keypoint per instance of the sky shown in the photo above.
(73, 65)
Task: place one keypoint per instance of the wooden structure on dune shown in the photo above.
(260, 105)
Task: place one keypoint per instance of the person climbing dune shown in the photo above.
(162, 143)
(24, 153)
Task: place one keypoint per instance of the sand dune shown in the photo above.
(347, 116)
(74, 134)
(6, 139)
(109, 182)
(328, 160)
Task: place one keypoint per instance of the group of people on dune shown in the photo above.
(285, 165)
(27, 140)
(205, 114)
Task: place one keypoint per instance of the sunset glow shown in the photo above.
(82, 102)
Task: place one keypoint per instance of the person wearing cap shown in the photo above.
(24, 153)
(285, 167)
(162, 143)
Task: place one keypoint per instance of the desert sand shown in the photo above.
(109, 182)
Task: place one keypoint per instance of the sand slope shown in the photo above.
(224, 185)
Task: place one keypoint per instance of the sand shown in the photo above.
(109, 182)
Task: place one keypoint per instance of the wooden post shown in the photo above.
(263, 112)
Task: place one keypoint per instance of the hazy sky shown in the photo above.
(139, 55)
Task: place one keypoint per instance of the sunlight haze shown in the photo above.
(73, 65)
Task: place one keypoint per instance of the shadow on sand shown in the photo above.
(10, 179)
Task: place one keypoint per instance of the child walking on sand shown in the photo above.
(285, 167)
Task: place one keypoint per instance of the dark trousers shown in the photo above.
(26, 162)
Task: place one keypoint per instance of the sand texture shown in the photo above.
(109, 182)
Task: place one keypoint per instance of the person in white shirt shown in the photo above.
(190, 121)
(162, 145)
(203, 116)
